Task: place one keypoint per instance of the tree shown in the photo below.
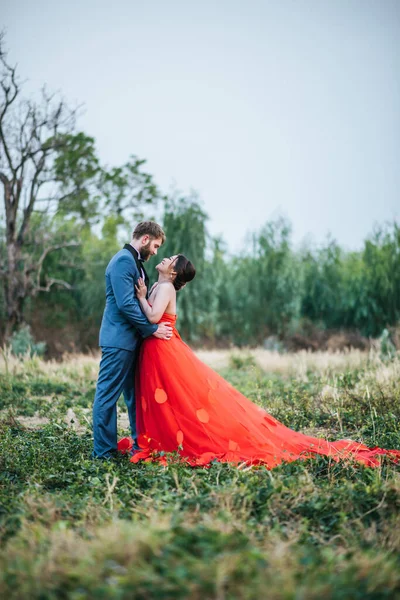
(90, 192)
(265, 285)
(381, 261)
(48, 171)
(31, 134)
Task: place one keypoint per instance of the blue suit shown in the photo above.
(122, 329)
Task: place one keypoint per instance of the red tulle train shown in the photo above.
(183, 406)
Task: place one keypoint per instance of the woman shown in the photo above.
(184, 406)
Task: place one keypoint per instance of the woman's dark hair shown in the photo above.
(184, 270)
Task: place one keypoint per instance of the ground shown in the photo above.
(76, 528)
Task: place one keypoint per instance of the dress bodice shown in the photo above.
(170, 319)
(167, 318)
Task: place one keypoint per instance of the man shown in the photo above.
(122, 328)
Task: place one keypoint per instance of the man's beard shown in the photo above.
(145, 251)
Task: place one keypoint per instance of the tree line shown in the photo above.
(63, 215)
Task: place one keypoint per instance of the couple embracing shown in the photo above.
(175, 402)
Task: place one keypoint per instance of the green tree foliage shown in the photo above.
(381, 258)
(271, 289)
(81, 308)
(268, 283)
(77, 170)
(354, 290)
(322, 290)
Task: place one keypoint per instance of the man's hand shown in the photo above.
(164, 332)
(141, 289)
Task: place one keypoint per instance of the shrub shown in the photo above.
(23, 344)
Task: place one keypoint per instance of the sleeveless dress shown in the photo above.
(183, 406)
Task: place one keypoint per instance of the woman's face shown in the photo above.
(166, 266)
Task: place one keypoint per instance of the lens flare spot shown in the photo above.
(233, 446)
(144, 404)
(160, 396)
(179, 437)
(202, 415)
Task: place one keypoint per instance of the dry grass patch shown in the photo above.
(296, 364)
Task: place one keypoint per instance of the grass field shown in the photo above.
(76, 528)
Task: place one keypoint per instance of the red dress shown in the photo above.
(183, 406)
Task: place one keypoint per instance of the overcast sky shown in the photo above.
(265, 107)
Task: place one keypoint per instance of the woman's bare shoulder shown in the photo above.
(167, 286)
(164, 288)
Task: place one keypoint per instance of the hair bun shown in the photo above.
(179, 284)
(185, 272)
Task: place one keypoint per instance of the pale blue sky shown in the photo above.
(264, 107)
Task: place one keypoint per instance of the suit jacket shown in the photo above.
(139, 264)
(124, 323)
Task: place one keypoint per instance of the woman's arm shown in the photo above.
(161, 300)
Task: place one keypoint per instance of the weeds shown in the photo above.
(71, 527)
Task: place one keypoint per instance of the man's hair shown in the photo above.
(150, 228)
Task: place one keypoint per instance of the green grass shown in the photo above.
(71, 527)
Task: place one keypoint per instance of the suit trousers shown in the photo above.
(116, 376)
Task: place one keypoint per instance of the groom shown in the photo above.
(122, 328)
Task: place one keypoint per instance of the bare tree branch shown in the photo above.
(11, 90)
(49, 283)
(45, 253)
(32, 197)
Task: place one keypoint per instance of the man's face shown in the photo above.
(149, 247)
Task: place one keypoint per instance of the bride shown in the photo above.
(184, 406)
